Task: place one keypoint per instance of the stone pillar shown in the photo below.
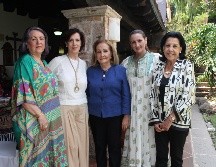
(98, 22)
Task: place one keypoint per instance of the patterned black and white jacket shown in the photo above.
(179, 94)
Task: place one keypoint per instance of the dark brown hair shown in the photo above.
(72, 31)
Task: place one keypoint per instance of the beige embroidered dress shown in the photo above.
(139, 143)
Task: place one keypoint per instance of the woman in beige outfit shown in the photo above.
(71, 73)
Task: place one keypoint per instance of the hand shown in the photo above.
(42, 120)
(158, 127)
(125, 122)
(166, 124)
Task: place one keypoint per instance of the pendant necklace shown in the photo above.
(167, 72)
(76, 88)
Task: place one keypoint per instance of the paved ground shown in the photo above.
(204, 153)
(199, 150)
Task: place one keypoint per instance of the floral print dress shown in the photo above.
(37, 85)
(139, 143)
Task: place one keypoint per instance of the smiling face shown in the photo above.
(74, 44)
(36, 43)
(103, 54)
(172, 49)
(138, 44)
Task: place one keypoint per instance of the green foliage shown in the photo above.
(191, 19)
(202, 49)
(187, 14)
(211, 10)
(211, 118)
(201, 78)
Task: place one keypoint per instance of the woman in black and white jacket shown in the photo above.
(172, 95)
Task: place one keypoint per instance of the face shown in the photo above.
(36, 42)
(138, 44)
(103, 54)
(74, 44)
(172, 49)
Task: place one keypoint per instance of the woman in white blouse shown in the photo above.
(72, 80)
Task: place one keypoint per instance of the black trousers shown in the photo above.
(176, 139)
(107, 133)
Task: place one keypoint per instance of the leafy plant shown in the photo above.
(199, 34)
(202, 49)
(201, 78)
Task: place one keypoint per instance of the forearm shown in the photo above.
(33, 109)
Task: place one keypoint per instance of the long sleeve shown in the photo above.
(155, 114)
(179, 94)
(185, 96)
(108, 95)
(126, 95)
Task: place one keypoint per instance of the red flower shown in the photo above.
(35, 73)
(44, 89)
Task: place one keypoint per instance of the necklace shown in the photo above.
(167, 72)
(76, 88)
(169, 68)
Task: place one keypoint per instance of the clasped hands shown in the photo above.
(163, 126)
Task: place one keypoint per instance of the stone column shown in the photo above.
(97, 22)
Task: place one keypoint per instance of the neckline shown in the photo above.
(139, 58)
(42, 65)
(73, 59)
(106, 69)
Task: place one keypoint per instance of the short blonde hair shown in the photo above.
(114, 56)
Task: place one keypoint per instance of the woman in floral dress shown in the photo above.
(35, 106)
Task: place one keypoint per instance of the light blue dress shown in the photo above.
(139, 144)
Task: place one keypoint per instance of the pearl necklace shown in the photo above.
(76, 88)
